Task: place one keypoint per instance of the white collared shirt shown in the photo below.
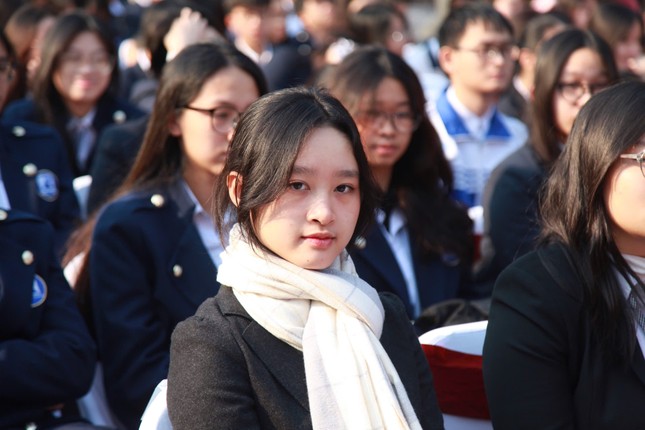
(477, 125)
(397, 237)
(521, 88)
(262, 58)
(206, 228)
(84, 136)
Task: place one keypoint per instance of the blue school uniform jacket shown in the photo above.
(37, 177)
(108, 111)
(149, 270)
(47, 356)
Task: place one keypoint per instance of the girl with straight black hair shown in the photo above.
(74, 87)
(421, 247)
(565, 342)
(570, 67)
(295, 339)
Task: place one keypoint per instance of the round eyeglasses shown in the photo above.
(573, 91)
(490, 53)
(638, 157)
(223, 118)
(403, 122)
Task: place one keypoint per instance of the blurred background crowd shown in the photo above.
(115, 119)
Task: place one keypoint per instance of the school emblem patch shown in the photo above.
(38, 292)
(47, 185)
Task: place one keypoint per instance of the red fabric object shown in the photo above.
(458, 382)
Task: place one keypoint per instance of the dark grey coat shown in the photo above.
(228, 372)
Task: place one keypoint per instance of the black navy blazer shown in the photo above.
(543, 368)
(512, 103)
(290, 65)
(437, 279)
(47, 356)
(511, 218)
(149, 270)
(108, 111)
(260, 379)
(115, 153)
(37, 177)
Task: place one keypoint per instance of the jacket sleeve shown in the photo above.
(414, 369)
(132, 340)
(57, 363)
(208, 380)
(527, 350)
(68, 211)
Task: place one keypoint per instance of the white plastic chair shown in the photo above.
(82, 189)
(461, 341)
(94, 406)
(155, 417)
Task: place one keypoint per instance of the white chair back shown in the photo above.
(82, 186)
(461, 338)
(93, 406)
(155, 417)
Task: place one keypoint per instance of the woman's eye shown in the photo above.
(345, 188)
(297, 186)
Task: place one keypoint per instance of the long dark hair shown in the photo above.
(47, 99)
(266, 145)
(159, 160)
(422, 179)
(574, 212)
(552, 56)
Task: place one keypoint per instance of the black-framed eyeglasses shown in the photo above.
(488, 53)
(573, 91)
(403, 121)
(638, 157)
(223, 118)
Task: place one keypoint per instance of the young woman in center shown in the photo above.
(421, 246)
(294, 338)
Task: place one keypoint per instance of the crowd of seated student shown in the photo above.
(133, 96)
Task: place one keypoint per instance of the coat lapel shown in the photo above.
(190, 265)
(378, 254)
(284, 362)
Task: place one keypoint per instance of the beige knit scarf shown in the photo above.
(336, 320)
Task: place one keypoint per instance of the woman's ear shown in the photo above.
(173, 126)
(234, 185)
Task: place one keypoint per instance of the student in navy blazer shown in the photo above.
(421, 246)
(565, 343)
(153, 251)
(73, 87)
(47, 355)
(34, 170)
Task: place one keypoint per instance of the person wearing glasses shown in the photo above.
(570, 68)
(478, 54)
(421, 246)
(149, 258)
(565, 343)
(73, 87)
